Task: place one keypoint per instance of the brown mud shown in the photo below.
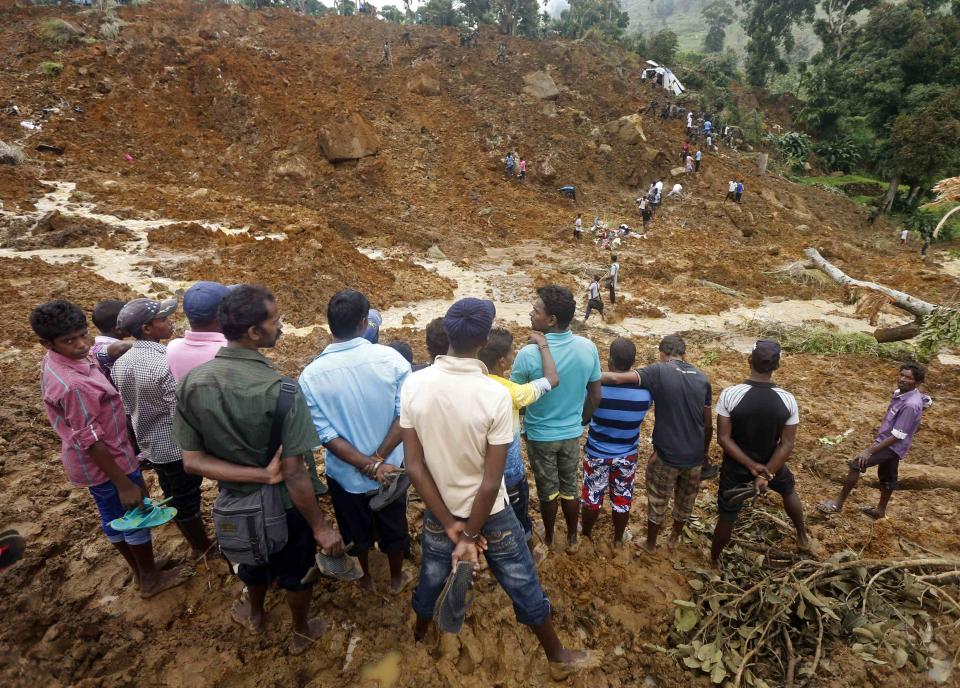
(220, 109)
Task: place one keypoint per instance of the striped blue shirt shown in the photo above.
(615, 428)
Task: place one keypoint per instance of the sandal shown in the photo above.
(344, 567)
(391, 491)
(454, 598)
(828, 508)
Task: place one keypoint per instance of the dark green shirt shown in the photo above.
(225, 408)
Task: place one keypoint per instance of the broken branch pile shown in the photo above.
(770, 617)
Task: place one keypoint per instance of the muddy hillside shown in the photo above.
(198, 141)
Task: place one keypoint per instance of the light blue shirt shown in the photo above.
(556, 416)
(352, 390)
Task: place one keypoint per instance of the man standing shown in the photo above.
(523, 169)
(682, 431)
(110, 344)
(594, 302)
(352, 390)
(731, 191)
(501, 53)
(739, 190)
(223, 424)
(891, 445)
(904, 235)
(85, 411)
(697, 157)
(203, 340)
(756, 427)
(386, 58)
(554, 423)
(578, 228)
(612, 278)
(149, 393)
(461, 482)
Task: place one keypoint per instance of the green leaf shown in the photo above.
(695, 584)
(718, 674)
(685, 619)
(685, 603)
(899, 657)
(707, 651)
(692, 662)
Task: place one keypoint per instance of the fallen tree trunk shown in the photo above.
(911, 476)
(898, 333)
(911, 304)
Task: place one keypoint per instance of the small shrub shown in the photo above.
(88, 40)
(59, 32)
(110, 29)
(50, 69)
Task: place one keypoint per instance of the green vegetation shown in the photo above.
(59, 32)
(50, 69)
(823, 340)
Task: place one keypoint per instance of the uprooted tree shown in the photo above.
(933, 323)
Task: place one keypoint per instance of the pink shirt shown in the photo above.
(523, 165)
(84, 408)
(192, 350)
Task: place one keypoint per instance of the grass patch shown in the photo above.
(50, 69)
(58, 31)
(824, 340)
(838, 181)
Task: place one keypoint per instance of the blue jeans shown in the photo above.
(509, 559)
(107, 499)
(519, 496)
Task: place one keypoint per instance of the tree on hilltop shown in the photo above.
(718, 15)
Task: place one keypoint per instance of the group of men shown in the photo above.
(211, 405)
(513, 163)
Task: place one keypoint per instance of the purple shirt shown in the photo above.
(195, 348)
(84, 408)
(902, 420)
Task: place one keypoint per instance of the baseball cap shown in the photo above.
(766, 353)
(137, 313)
(374, 321)
(201, 301)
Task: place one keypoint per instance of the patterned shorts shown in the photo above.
(617, 474)
(662, 482)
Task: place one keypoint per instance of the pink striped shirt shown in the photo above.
(84, 408)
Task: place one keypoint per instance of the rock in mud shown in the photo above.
(541, 85)
(676, 171)
(629, 129)
(351, 138)
(435, 253)
(424, 85)
(605, 148)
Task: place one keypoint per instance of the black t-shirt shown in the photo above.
(757, 412)
(680, 392)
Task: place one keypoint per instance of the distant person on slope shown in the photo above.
(387, 57)
(696, 160)
(904, 235)
(739, 193)
(578, 228)
(677, 191)
(731, 191)
(523, 170)
(594, 302)
(612, 277)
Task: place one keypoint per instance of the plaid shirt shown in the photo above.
(84, 408)
(149, 393)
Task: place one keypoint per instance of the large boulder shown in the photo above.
(629, 129)
(541, 85)
(424, 84)
(351, 138)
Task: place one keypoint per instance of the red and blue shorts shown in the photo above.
(614, 474)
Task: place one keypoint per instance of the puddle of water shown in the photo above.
(130, 265)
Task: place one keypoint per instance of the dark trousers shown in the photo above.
(613, 292)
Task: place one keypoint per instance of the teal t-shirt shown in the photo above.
(557, 414)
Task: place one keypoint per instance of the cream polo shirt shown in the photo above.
(457, 411)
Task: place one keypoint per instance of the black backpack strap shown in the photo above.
(288, 390)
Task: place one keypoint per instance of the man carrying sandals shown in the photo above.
(756, 427)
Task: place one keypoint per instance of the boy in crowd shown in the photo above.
(86, 412)
(682, 431)
(555, 422)
(757, 425)
(149, 393)
(204, 339)
(457, 427)
(109, 345)
(223, 424)
(498, 355)
(437, 342)
(610, 455)
(352, 390)
(894, 438)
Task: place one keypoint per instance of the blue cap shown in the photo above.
(201, 301)
(374, 321)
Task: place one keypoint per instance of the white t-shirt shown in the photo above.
(689, 119)
(658, 186)
(593, 291)
(732, 188)
(677, 189)
(457, 412)
(614, 271)
(578, 225)
(904, 234)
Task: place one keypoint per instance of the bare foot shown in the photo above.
(398, 585)
(301, 642)
(573, 545)
(242, 613)
(571, 662)
(645, 546)
(873, 512)
(160, 581)
(810, 546)
(672, 542)
(366, 582)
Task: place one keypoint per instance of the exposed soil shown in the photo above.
(220, 109)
